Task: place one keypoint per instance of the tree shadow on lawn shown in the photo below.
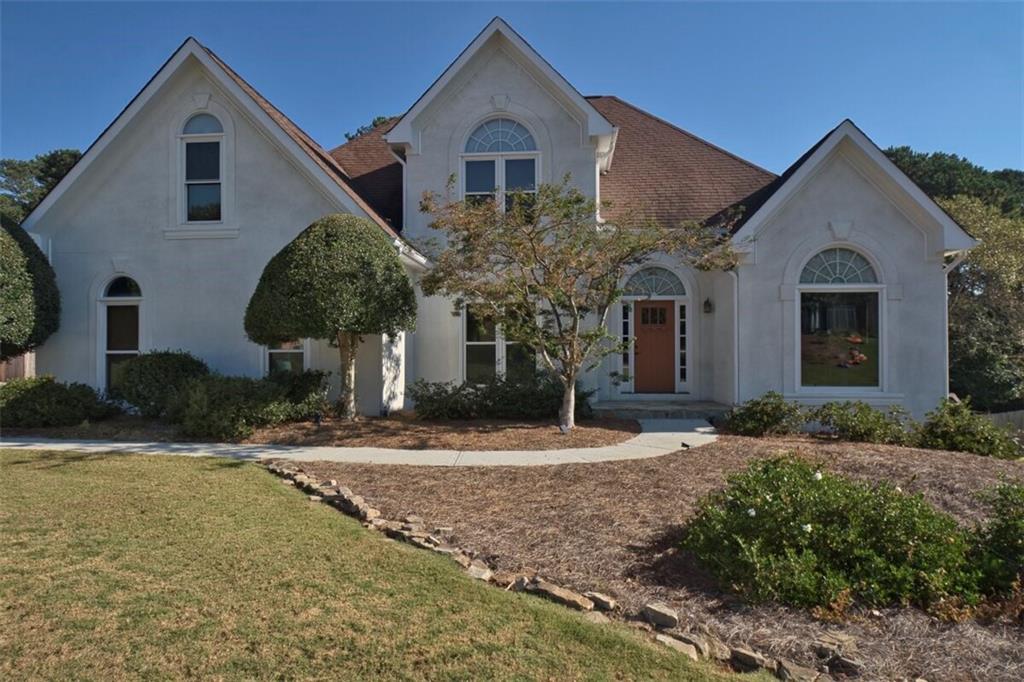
(53, 459)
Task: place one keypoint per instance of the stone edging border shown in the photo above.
(652, 618)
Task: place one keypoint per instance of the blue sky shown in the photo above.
(762, 80)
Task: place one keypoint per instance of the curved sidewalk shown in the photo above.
(657, 437)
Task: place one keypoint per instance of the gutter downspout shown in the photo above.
(736, 336)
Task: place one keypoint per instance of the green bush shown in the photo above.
(770, 414)
(782, 531)
(231, 408)
(999, 548)
(152, 380)
(41, 401)
(954, 426)
(29, 298)
(496, 399)
(859, 422)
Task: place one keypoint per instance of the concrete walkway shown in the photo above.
(657, 437)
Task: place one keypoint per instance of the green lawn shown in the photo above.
(133, 566)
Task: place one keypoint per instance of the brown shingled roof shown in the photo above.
(374, 171)
(670, 174)
(319, 156)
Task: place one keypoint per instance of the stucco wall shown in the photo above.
(863, 217)
(113, 220)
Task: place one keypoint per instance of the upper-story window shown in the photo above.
(500, 162)
(203, 140)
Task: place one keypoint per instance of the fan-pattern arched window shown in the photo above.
(500, 135)
(654, 281)
(121, 287)
(838, 266)
(202, 124)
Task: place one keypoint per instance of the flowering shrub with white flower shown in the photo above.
(784, 531)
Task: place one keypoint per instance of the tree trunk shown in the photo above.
(567, 413)
(347, 343)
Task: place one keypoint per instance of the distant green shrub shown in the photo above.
(999, 547)
(231, 408)
(954, 426)
(859, 422)
(771, 414)
(499, 398)
(151, 381)
(41, 401)
(783, 531)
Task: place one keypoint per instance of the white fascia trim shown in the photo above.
(402, 132)
(954, 237)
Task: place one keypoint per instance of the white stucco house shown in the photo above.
(159, 235)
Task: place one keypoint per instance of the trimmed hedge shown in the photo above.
(497, 399)
(29, 298)
(771, 414)
(953, 426)
(859, 422)
(231, 408)
(41, 401)
(151, 381)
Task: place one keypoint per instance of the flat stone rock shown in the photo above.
(413, 518)
(315, 498)
(660, 614)
(831, 644)
(788, 670)
(602, 601)
(444, 531)
(479, 570)
(461, 558)
(717, 649)
(560, 594)
(369, 514)
(846, 665)
(746, 659)
(329, 483)
(682, 647)
(698, 642)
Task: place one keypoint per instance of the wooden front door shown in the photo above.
(654, 347)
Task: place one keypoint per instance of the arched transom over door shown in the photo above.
(655, 319)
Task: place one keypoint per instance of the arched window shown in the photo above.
(840, 334)
(654, 281)
(838, 266)
(203, 140)
(500, 163)
(119, 326)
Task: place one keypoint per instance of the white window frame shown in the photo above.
(499, 343)
(101, 328)
(499, 173)
(184, 140)
(883, 354)
(267, 351)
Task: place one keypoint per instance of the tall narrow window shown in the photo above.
(121, 300)
(840, 336)
(682, 343)
(202, 137)
(500, 164)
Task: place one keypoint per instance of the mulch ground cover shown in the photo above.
(615, 527)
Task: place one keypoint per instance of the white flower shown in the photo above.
(817, 475)
(899, 489)
(768, 497)
(806, 527)
(751, 512)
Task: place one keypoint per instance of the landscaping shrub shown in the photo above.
(785, 532)
(497, 399)
(41, 401)
(859, 422)
(769, 414)
(231, 408)
(151, 381)
(954, 426)
(999, 549)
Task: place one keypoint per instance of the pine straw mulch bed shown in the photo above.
(397, 431)
(614, 527)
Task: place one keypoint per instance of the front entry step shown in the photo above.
(660, 409)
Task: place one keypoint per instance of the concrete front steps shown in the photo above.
(660, 409)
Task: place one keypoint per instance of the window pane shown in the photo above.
(204, 202)
(478, 330)
(122, 327)
(480, 176)
(480, 365)
(525, 201)
(115, 369)
(290, 362)
(123, 286)
(286, 345)
(202, 124)
(519, 174)
(839, 339)
(202, 161)
(520, 362)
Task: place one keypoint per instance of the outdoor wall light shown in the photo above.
(709, 307)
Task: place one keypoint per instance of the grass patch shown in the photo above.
(131, 566)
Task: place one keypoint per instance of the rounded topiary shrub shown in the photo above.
(784, 531)
(41, 401)
(771, 414)
(859, 422)
(29, 298)
(954, 426)
(151, 381)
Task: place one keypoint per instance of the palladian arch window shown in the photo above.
(840, 335)
(119, 326)
(654, 281)
(202, 139)
(500, 163)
